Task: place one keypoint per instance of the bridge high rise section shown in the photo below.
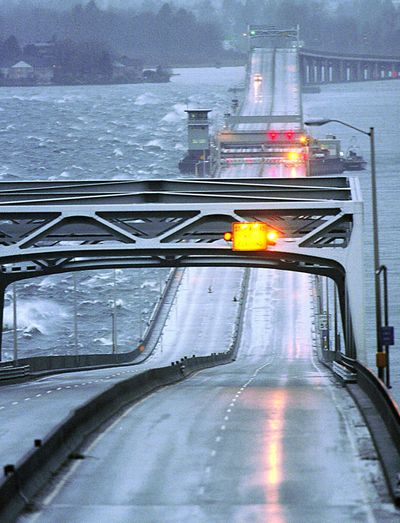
(265, 137)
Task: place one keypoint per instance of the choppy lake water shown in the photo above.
(139, 131)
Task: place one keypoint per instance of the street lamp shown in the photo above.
(371, 135)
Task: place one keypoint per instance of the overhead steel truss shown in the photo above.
(52, 227)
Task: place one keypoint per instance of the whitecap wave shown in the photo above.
(147, 99)
(154, 144)
(103, 341)
(177, 114)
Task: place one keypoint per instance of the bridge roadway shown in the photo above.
(28, 411)
(270, 437)
(272, 89)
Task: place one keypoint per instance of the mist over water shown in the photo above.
(139, 131)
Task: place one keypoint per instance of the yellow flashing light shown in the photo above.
(228, 236)
(251, 236)
(293, 156)
(303, 139)
(272, 236)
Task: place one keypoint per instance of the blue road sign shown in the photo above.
(387, 335)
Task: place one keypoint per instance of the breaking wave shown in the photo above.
(147, 99)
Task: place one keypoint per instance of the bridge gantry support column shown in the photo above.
(344, 299)
(4, 282)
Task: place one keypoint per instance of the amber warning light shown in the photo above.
(251, 236)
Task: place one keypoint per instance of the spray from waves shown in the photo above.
(176, 115)
(35, 316)
(147, 99)
(155, 144)
(106, 341)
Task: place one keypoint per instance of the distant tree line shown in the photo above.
(170, 35)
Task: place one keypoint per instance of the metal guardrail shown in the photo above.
(13, 373)
(344, 372)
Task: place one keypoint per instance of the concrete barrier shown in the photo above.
(26, 478)
(382, 416)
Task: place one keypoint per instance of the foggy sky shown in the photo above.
(65, 4)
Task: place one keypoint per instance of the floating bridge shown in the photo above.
(268, 437)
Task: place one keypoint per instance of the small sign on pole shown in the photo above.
(387, 335)
(323, 321)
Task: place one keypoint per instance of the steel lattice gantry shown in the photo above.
(53, 227)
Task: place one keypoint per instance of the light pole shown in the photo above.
(114, 315)
(371, 135)
(75, 313)
(15, 325)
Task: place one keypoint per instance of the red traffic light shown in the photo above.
(273, 135)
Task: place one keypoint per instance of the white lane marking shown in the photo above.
(27, 399)
(213, 452)
(59, 388)
(49, 391)
(38, 395)
(223, 427)
(228, 410)
(226, 418)
(1, 408)
(218, 439)
(15, 403)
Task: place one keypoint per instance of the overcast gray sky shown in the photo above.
(100, 3)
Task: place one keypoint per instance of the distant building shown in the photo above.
(20, 71)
